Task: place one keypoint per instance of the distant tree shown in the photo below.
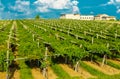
(37, 17)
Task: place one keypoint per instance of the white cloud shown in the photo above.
(75, 9)
(60, 4)
(43, 9)
(21, 6)
(110, 2)
(75, 2)
(47, 5)
(118, 11)
(54, 4)
(117, 0)
(115, 3)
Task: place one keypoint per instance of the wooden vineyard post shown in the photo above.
(92, 40)
(90, 30)
(77, 66)
(105, 56)
(38, 43)
(7, 62)
(45, 68)
(68, 33)
(104, 59)
(108, 45)
(97, 36)
(76, 36)
(115, 35)
(33, 36)
(101, 32)
(7, 56)
(85, 33)
(80, 45)
(92, 44)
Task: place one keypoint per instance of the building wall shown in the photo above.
(104, 17)
(111, 18)
(70, 16)
(86, 17)
(77, 16)
(97, 18)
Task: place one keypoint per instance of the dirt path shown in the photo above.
(16, 75)
(37, 74)
(2, 75)
(82, 73)
(105, 69)
(51, 74)
(85, 74)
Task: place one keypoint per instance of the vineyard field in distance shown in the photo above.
(59, 49)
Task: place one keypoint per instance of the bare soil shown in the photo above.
(105, 69)
(16, 75)
(81, 73)
(37, 74)
(51, 74)
(2, 75)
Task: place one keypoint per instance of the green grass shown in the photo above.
(98, 74)
(25, 71)
(61, 73)
(112, 64)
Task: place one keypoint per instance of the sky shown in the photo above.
(18, 9)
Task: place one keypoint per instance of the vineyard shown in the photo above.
(59, 49)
